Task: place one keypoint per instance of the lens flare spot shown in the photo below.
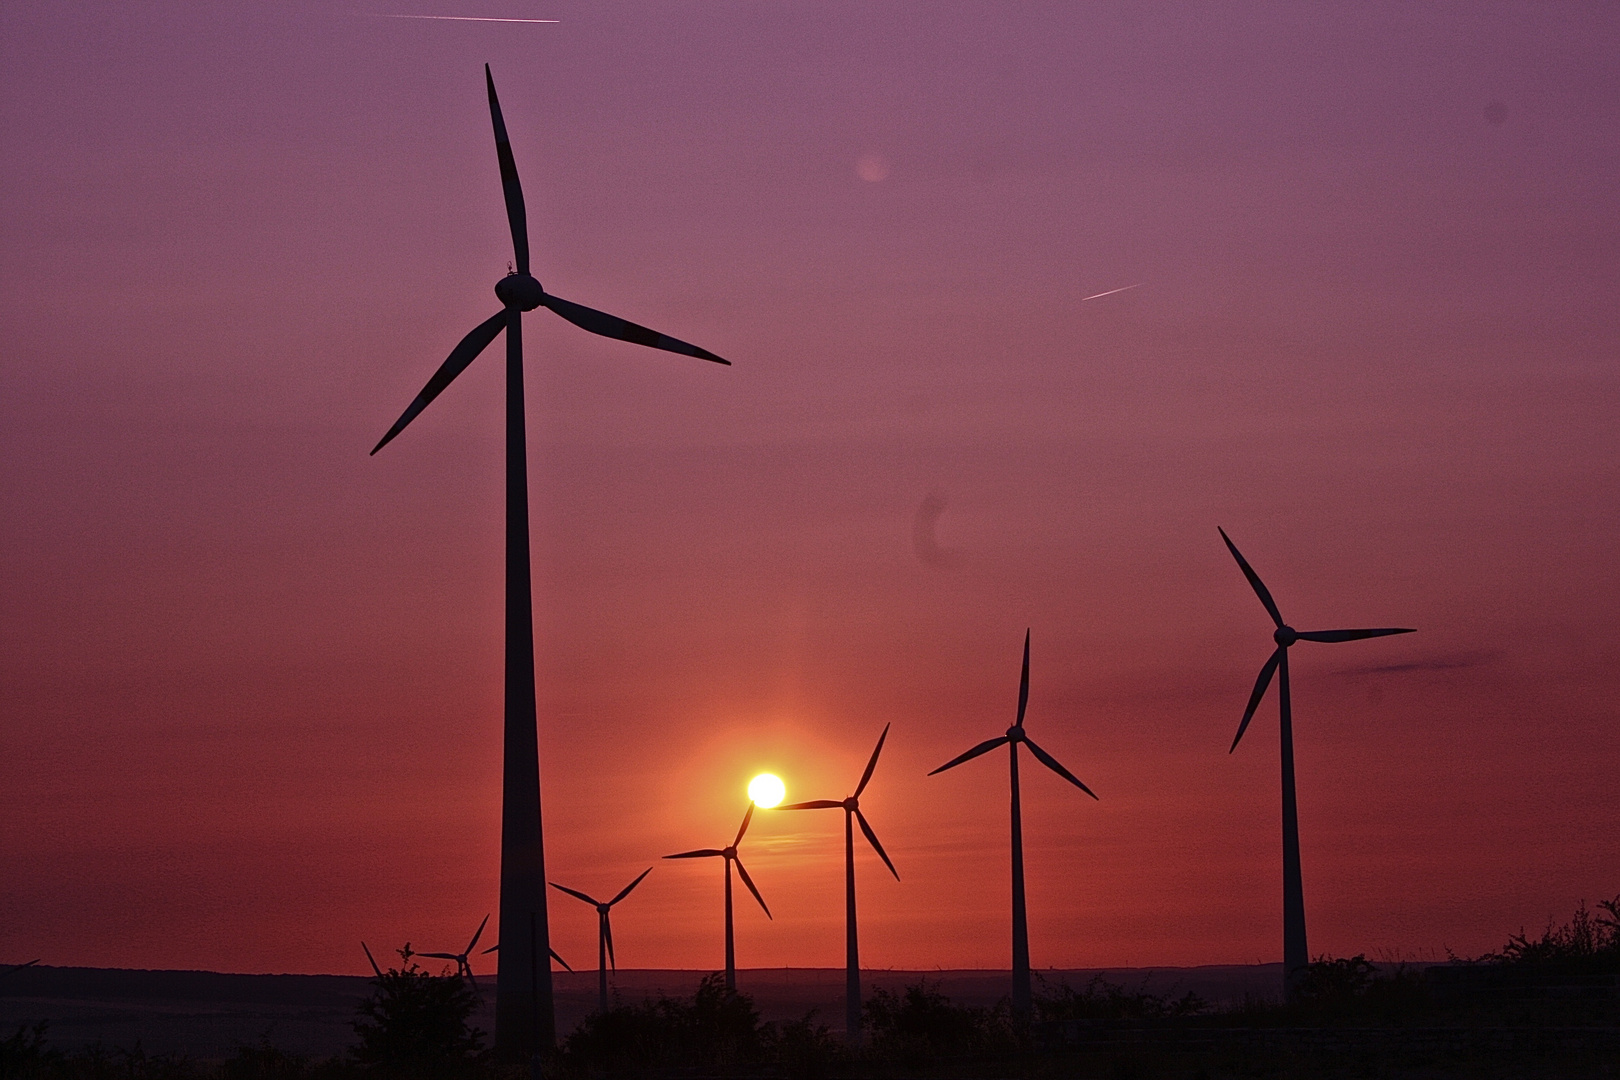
(766, 790)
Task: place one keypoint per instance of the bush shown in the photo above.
(1103, 1000)
(920, 1023)
(415, 1024)
(716, 1026)
(1588, 944)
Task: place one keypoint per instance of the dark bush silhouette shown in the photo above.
(1103, 1000)
(1589, 944)
(415, 1023)
(920, 1024)
(716, 1026)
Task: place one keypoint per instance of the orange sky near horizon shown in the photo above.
(250, 677)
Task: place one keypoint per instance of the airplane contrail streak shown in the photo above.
(465, 18)
(1111, 292)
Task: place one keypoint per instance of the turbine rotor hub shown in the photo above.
(730, 853)
(852, 803)
(1015, 734)
(602, 909)
(1285, 636)
(520, 291)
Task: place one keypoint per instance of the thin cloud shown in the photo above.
(1454, 662)
(463, 18)
(1111, 292)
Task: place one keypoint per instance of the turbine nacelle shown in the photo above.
(521, 291)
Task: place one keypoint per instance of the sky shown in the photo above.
(250, 677)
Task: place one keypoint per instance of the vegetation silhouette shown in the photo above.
(1544, 1006)
(415, 1023)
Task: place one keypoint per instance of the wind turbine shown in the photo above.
(1295, 954)
(852, 953)
(730, 855)
(604, 931)
(524, 1020)
(497, 948)
(463, 968)
(1014, 736)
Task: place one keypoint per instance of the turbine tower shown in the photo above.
(852, 953)
(730, 855)
(463, 966)
(1295, 954)
(524, 1021)
(1020, 927)
(604, 932)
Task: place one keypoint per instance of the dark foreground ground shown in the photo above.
(1491, 1032)
(208, 1014)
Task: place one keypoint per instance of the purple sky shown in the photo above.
(249, 677)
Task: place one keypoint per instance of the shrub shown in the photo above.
(1103, 1000)
(716, 1026)
(1588, 944)
(921, 1023)
(415, 1023)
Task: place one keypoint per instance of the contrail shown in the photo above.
(1111, 292)
(464, 18)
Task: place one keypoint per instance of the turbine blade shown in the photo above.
(373, 960)
(1023, 684)
(747, 817)
(814, 804)
(1259, 586)
(1052, 763)
(442, 956)
(509, 180)
(1260, 685)
(748, 881)
(463, 354)
(871, 838)
(870, 765)
(1351, 635)
(600, 322)
(493, 948)
(560, 960)
(591, 900)
(700, 853)
(624, 892)
(471, 979)
(982, 748)
(473, 944)
(607, 935)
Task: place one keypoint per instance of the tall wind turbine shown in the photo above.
(604, 932)
(852, 953)
(1020, 927)
(463, 966)
(524, 1021)
(1295, 954)
(730, 855)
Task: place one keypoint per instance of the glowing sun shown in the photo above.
(766, 790)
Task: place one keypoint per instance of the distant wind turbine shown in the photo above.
(463, 967)
(730, 855)
(1295, 955)
(16, 968)
(604, 932)
(852, 953)
(524, 1019)
(497, 948)
(1021, 990)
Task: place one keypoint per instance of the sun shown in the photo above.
(766, 790)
